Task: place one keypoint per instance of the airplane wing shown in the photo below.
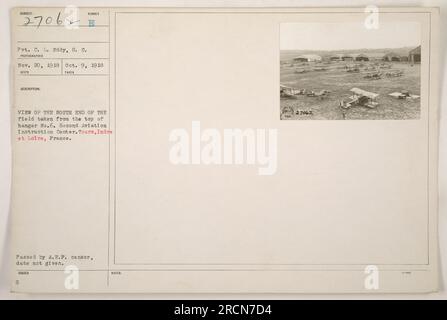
(395, 94)
(361, 92)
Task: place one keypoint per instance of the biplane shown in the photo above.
(370, 68)
(360, 98)
(404, 94)
(286, 91)
(373, 75)
(320, 94)
(385, 66)
(353, 70)
(394, 73)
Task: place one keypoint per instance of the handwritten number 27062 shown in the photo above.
(47, 20)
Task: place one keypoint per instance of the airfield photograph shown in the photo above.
(359, 74)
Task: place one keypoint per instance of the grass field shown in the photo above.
(338, 81)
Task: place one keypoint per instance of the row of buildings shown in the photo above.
(414, 56)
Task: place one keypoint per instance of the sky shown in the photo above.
(345, 36)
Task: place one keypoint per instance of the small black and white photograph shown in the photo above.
(346, 71)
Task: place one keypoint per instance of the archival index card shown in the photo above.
(224, 150)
